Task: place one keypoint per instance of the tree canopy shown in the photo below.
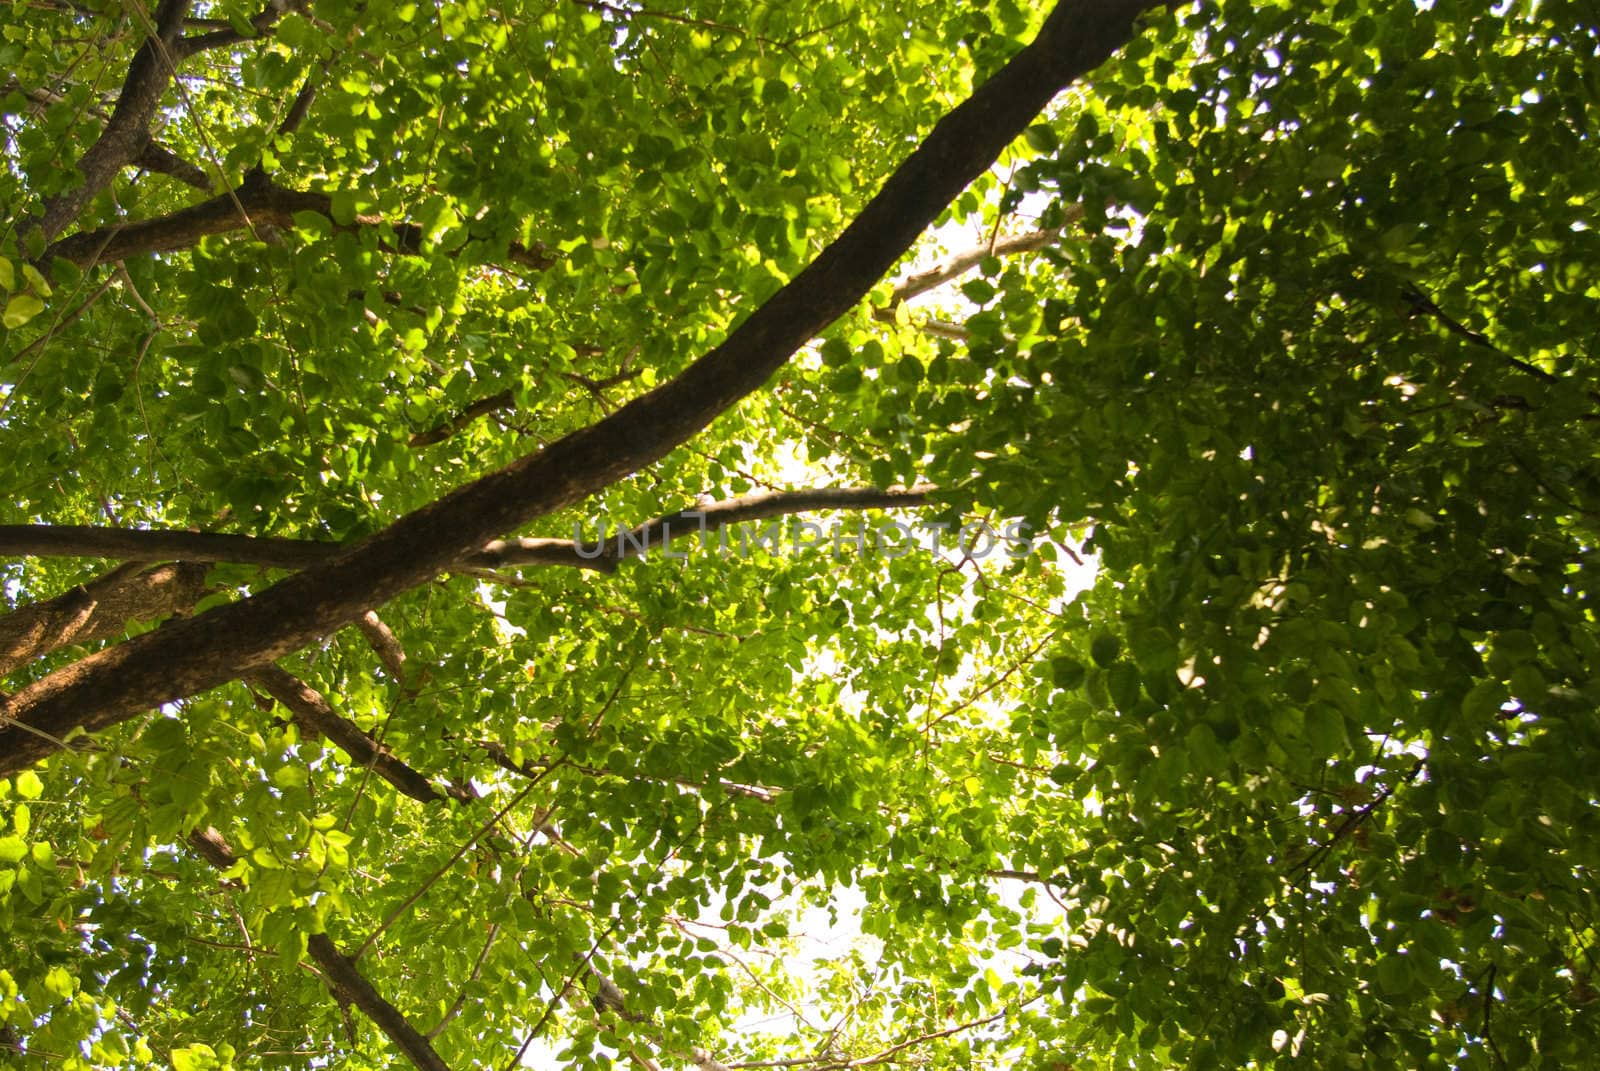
(514, 514)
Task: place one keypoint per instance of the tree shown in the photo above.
(504, 515)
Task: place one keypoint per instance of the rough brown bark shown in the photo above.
(339, 971)
(157, 157)
(189, 657)
(463, 419)
(99, 609)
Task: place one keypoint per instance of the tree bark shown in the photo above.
(98, 610)
(316, 717)
(190, 657)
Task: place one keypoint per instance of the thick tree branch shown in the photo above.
(261, 201)
(339, 971)
(128, 130)
(384, 643)
(72, 541)
(144, 544)
(152, 156)
(192, 656)
(99, 609)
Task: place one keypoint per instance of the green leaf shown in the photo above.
(20, 309)
(29, 787)
(1067, 672)
(1395, 976)
(1205, 752)
(980, 291)
(1104, 648)
(1325, 730)
(36, 282)
(195, 1057)
(1042, 138)
(1122, 681)
(835, 353)
(342, 207)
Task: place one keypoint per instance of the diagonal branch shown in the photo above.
(156, 157)
(339, 971)
(313, 713)
(958, 264)
(188, 657)
(128, 129)
(462, 420)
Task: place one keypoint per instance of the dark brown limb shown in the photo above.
(261, 24)
(67, 541)
(482, 407)
(158, 158)
(339, 971)
(316, 716)
(384, 643)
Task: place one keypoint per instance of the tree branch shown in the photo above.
(316, 716)
(128, 130)
(957, 265)
(384, 643)
(188, 657)
(261, 24)
(482, 407)
(273, 552)
(260, 200)
(338, 971)
(158, 158)
(98, 610)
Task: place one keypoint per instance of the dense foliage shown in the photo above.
(1285, 317)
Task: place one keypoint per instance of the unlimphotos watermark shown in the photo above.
(891, 539)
